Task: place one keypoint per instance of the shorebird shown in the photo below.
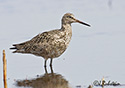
(50, 44)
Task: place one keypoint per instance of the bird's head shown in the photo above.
(69, 18)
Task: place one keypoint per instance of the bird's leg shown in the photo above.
(51, 60)
(45, 65)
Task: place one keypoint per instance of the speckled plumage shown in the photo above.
(50, 44)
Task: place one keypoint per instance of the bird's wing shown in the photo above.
(41, 40)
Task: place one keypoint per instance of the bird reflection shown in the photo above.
(48, 80)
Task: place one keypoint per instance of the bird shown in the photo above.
(50, 44)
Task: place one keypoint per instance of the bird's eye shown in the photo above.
(69, 17)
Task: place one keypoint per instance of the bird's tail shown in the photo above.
(19, 48)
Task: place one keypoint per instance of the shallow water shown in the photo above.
(93, 53)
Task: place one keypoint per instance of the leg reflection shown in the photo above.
(51, 69)
(45, 70)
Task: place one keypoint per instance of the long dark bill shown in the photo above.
(83, 23)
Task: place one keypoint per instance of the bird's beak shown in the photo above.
(82, 22)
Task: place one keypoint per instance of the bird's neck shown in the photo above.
(66, 33)
(66, 27)
(67, 30)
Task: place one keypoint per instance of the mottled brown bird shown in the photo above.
(50, 44)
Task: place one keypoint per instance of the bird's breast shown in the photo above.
(60, 44)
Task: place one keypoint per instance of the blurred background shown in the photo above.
(93, 53)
